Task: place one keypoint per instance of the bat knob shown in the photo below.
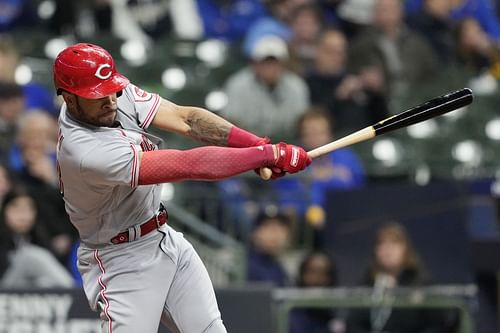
(265, 173)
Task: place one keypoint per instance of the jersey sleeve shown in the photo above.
(144, 104)
(110, 164)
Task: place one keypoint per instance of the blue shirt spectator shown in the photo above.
(270, 236)
(37, 96)
(263, 267)
(481, 10)
(346, 172)
(33, 154)
(17, 13)
(341, 169)
(229, 20)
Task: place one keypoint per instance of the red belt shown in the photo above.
(135, 232)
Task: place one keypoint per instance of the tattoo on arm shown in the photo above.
(208, 130)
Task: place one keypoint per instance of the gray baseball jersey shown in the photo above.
(99, 168)
(135, 284)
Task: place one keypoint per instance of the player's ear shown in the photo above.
(69, 98)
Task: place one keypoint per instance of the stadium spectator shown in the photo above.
(433, 22)
(144, 20)
(355, 100)
(405, 58)
(270, 236)
(5, 181)
(479, 54)
(26, 262)
(149, 17)
(341, 169)
(354, 16)
(281, 16)
(265, 27)
(395, 259)
(11, 107)
(36, 96)
(283, 9)
(329, 10)
(265, 97)
(317, 270)
(241, 202)
(394, 263)
(33, 153)
(481, 10)
(306, 23)
(20, 219)
(16, 14)
(295, 21)
(229, 20)
(32, 160)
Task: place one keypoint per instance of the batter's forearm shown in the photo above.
(212, 129)
(203, 126)
(207, 127)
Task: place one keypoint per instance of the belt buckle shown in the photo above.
(157, 218)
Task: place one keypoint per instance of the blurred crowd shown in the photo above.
(316, 70)
(37, 239)
(394, 262)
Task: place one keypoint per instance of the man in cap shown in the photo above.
(265, 97)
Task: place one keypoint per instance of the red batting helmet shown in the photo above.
(88, 71)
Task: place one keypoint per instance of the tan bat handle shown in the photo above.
(358, 136)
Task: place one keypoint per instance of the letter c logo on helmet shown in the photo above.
(100, 74)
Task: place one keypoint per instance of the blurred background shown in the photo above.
(398, 234)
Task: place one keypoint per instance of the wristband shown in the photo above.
(239, 138)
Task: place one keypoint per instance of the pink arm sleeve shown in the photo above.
(204, 163)
(240, 138)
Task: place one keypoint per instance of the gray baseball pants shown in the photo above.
(158, 277)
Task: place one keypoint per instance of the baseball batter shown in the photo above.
(137, 270)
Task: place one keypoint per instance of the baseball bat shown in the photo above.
(427, 110)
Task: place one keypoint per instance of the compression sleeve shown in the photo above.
(204, 163)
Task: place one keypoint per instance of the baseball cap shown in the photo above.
(269, 47)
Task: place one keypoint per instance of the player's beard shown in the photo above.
(104, 118)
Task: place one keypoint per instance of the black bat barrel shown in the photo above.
(430, 109)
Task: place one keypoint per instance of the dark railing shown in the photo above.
(459, 297)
